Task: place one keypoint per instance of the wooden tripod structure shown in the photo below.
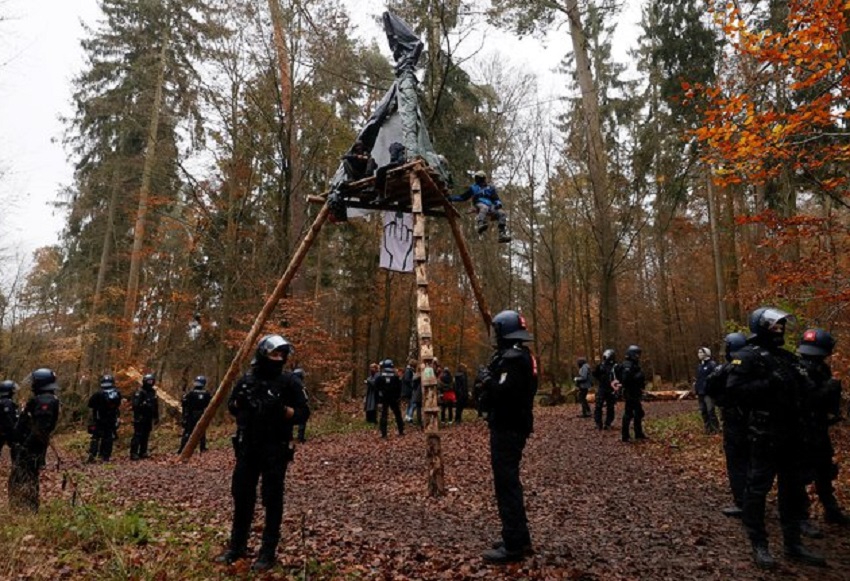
(411, 188)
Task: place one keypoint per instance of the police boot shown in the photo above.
(264, 562)
(808, 529)
(762, 557)
(230, 556)
(502, 555)
(797, 552)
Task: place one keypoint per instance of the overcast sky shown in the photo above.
(39, 56)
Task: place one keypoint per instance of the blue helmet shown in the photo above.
(107, 381)
(767, 324)
(734, 342)
(200, 381)
(511, 326)
(273, 347)
(816, 343)
(7, 388)
(43, 379)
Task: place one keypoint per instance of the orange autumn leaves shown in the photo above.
(781, 97)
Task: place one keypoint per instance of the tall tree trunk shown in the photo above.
(598, 168)
(296, 203)
(131, 299)
(719, 282)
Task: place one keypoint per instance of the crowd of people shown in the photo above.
(775, 410)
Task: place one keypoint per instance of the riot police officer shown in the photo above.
(302, 426)
(605, 394)
(145, 415)
(32, 438)
(822, 409)
(192, 407)
(632, 384)
(8, 412)
(388, 384)
(508, 399)
(105, 406)
(768, 380)
(736, 447)
(267, 402)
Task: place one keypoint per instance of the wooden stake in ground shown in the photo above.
(250, 340)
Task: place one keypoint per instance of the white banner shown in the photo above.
(397, 242)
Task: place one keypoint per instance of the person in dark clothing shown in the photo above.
(267, 402)
(478, 390)
(105, 405)
(448, 397)
(508, 398)
(605, 394)
(632, 383)
(302, 426)
(31, 439)
(145, 415)
(192, 407)
(461, 392)
(768, 380)
(584, 381)
(822, 408)
(370, 401)
(358, 163)
(736, 446)
(8, 412)
(389, 395)
(407, 389)
(487, 202)
(706, 403)
(398, 157)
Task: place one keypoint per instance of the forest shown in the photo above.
(654, 202)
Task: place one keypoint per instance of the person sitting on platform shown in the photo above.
(358, 162)
(487, 202)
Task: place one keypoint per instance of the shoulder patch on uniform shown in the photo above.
(736, 362)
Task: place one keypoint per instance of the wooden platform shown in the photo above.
(395, 196)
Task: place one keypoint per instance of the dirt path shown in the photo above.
(598, 508)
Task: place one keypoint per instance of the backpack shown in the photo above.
(43, 416)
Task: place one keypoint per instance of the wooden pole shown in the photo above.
(251, 338)
(466, 258)
(427, 377)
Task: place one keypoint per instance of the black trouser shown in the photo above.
(385, 407)
(708, 411)
(188, 428)
(459, 407)
(582, 399)
(101, 441)
(604, 397)
(302, 432)
(633, 410)
(773, 458)
(822, 471)
(447, 411)
(736, 448)
(506, 448)
(27, 460)
(139, 441)
(270, 465)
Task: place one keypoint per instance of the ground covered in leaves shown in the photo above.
(356, 508)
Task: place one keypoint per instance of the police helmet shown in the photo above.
(7, 388)
(633, 353)
(734, 342)
(387, 364)
(273, 348)
(200, 381)
(299, 373)
(511, 326)
(769, 323)
(43, 379)
(608, 354)
(107, 381)
(816, 343)
(149, 380)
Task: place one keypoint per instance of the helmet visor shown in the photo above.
(778, 321)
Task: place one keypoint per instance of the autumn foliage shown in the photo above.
(781, 104)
